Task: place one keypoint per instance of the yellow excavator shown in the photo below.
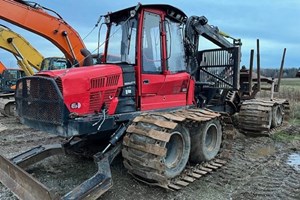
(29, 60)
(27, 56)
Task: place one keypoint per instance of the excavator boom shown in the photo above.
(27, 56)
(34, 18)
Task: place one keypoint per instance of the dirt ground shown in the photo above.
(260, 168)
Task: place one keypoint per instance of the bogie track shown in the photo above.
(158, 147)
(258, 116)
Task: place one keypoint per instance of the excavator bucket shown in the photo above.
(25, 186)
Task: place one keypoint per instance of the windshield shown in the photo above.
(12, 74)
(53, 63)
(122, 42)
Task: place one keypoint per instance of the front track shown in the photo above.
(147, 141)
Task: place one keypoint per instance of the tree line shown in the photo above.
(287, 73)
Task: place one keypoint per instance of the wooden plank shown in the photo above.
(149, 148)
(157, 122)
(173, 117)
(195, 175)
(216, 164)
(182, 183)
(220, 161)
(173, 186)
(158, 135)
(210, 166)
(256, 108)
(198, 171)
(205, 116)
(209, 113)
(188, 179)
(194, 117)
(205, 169)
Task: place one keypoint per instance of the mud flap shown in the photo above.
(26, 187)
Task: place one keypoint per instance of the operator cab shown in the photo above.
(8, 79)
(54, 63)
(147, 41)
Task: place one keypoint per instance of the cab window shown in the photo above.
(151, 46)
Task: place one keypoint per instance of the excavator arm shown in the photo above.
(27, 56)
(36, 19)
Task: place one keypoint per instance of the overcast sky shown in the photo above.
(275, 22)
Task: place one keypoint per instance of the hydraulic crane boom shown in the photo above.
(34, 18)
(197, 25)
(27, 56)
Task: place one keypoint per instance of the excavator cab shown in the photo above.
(9, 79)
(54, 63)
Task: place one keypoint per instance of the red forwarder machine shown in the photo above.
(148, 99)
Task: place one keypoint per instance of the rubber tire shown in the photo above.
(200, 151)
(277, 116)
(180, 146)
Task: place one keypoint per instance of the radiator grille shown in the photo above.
(40, 99)
(108, 96)
(101, 93)
(95, 101)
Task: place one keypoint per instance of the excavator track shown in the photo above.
(259, 116)
(7, 105)
(146, 140)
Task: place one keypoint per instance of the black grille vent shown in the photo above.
(112, 80)
(97, 82)
(39, 99)
(59, 84)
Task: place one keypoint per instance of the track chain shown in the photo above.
(255, 116)
(147, 166)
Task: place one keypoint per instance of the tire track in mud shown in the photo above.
(239, 168)
(281, 182)
(258, 170)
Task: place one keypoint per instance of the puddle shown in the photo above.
(294, 161)
(263, 151)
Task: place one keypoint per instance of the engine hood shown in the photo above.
(87, 87)
(82, 72)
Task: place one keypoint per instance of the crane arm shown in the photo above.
(27, 56)
(34, 18)
(196, 26)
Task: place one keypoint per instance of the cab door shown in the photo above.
(161, 86)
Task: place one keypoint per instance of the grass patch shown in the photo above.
(290, 90)
(295, 121)
(286, 136)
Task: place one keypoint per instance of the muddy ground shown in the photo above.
(260, 168)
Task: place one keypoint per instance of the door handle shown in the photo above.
(146, 81)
